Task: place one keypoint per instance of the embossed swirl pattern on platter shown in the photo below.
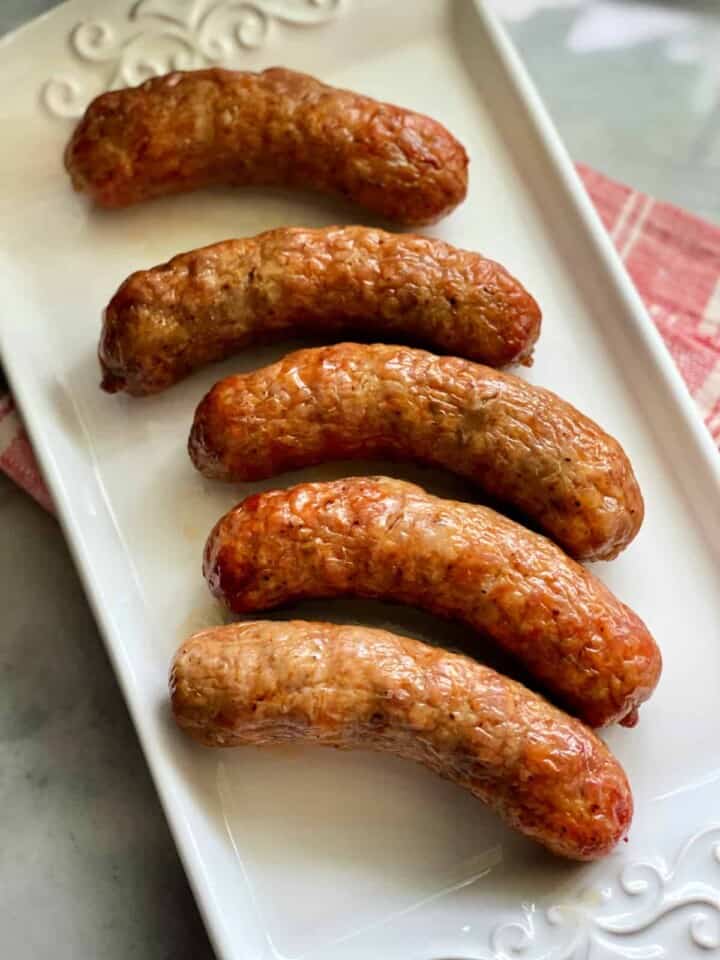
(157, 36)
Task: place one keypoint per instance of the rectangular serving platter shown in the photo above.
(299, 852)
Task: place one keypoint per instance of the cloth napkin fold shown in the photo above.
(672, 256)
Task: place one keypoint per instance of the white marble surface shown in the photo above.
(87, 867)
(634, 88)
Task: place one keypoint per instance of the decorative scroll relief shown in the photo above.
(157, 36)
(623, 921)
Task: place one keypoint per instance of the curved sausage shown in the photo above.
(204, 305)
(280, 128)
(521, 444)
(546, 774)
(376, 537)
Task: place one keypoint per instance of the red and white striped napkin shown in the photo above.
(672, 256)
(17, 459)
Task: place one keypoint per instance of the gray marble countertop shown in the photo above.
(87, 866)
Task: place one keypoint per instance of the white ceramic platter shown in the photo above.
(302, 852)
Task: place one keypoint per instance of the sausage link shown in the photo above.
(204, 305)
(376, 537)
(546, 774)
(521, 444)
(281, 128)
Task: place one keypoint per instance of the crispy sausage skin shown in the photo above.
(204, 305)
(376, 537)
(545, 773)
(521, 444)
(281, 128)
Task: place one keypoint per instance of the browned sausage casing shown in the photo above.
(204, 305)
(188, 130)
(521, 444)
(376, 537)
(546, 774)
